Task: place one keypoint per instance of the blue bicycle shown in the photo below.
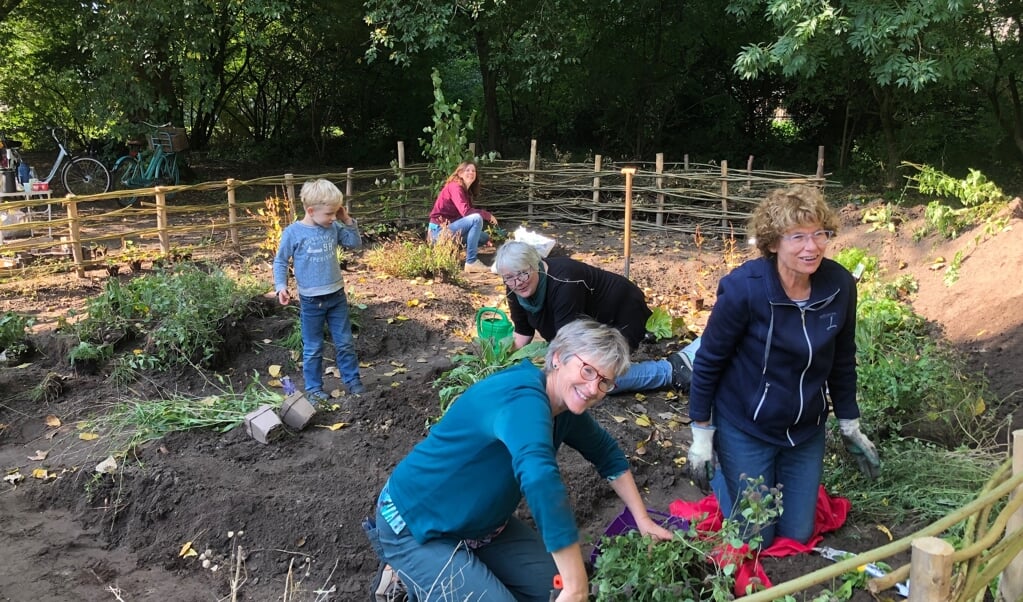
(156, 167)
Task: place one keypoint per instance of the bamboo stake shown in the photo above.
(401, 178)
(1010, 587)
(348, 188)
(289, 191)
(629, 173)
(724, 194)
(597, 159)
(820, 163)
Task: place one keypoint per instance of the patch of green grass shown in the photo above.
(408, 259)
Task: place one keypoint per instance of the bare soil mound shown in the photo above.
(294, 506)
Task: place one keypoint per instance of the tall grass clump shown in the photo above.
(169, 318)
(412, 259)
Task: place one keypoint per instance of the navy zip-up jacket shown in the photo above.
(767, 365)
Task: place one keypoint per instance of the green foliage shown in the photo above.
(975, 189)
(952, 271)
(14, 334)
(631, 567)
(447, 142)
(90, 353)
(659, 323)
(408, 259)
(882, 217)
(852, 258)
(176, 316)
(134, 422)
(489, 357)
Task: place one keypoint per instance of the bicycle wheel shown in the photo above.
(127, 175)
(84, 176)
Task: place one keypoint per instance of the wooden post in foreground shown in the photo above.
(401, 179)
(75, 234)
(161, 220)
(532, 175)
(930, 574)
(659, 184)
(724, 198)
(289, 193)
(349, 187)
(597, 160)
(232, 214)
(1010, 586)
(820, 163)
(629, 173)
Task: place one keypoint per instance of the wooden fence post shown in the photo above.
(349, 187)
(820, 163)
(930, 574)
(597, 160)
(161, 220)
(749, 173)
(685, 162)
(724, 197)
(472, 150)
(659, 184)
(401, 179)
(1010, 586)
(628, 172)
(532, 175)
(232, 214)
(75, 234)
(289, 193)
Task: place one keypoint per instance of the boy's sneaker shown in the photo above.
(477, 267)
(317, 397)
(681, 371)
(357, 388)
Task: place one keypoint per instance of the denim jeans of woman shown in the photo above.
(331, 310)
(513, 567)
(798, 469)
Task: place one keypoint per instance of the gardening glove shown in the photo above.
(701, 456)
(857, 444)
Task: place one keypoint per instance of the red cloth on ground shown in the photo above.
(831, 514)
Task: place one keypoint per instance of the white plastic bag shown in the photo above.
(541, 243)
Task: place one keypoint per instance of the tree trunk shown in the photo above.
(887, 114)
(490, 110)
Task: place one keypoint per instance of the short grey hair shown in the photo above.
(321, 193)
(602, 344)
(515, 256)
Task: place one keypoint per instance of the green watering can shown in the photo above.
(493, 324)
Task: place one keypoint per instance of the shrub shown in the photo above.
(14, 335)
(409, 259)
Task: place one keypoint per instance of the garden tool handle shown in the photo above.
(558, 584)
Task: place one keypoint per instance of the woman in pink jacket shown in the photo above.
(453, 211)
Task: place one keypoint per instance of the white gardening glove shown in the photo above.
(857, 444)
(701, 456)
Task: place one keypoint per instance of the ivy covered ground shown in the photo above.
(294, 505)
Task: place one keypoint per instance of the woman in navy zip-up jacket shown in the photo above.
(779, 345)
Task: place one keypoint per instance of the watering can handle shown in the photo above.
(489, 310)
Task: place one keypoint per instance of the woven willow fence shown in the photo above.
(679, 197)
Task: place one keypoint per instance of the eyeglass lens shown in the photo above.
(590, 373)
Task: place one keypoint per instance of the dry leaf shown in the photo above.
(274, 382)
(397, 364)
(365, 364)
(187, 551)
(332, 371)
(336, 393)
(420, 360)
(644, 420)
(39, 455)
(14, 478)
(43, 474)
(25, 365)
(300, 542)
(108, 466)
(395, 385)
(412, 302)
(885, 530)
(401, 317)
(274, 370)
(52, 420)
(619, 419)
(88, 436)
(333, 427)
(640, 397)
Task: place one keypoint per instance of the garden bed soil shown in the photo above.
(294, 506)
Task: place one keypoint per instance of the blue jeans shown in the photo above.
(513, 567)
(468, 230)
(331, 309)
(644, 376)
(798, 469)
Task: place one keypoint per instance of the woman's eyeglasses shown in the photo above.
(517, 278)
(590, 373)
(820, 237)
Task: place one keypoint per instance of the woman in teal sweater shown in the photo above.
(445, 519)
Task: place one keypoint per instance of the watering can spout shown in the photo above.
(493, 324)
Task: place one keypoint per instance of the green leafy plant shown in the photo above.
(659, 323)
(447, 139)
(489, 357)
(694, 565)
(14, 341)
(952, 271)
(278, 213)
(975, 189)
(882, 217)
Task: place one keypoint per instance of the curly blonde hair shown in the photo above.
(786, 208)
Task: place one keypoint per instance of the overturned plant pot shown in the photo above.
(262, 424)
(296, 411)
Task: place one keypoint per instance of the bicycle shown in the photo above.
(135, 170)
(80, 175)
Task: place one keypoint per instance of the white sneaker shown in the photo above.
(477, 267)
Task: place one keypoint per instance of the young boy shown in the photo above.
(312, 244)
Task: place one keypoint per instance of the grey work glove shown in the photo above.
(701, 456)
(857, 444)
